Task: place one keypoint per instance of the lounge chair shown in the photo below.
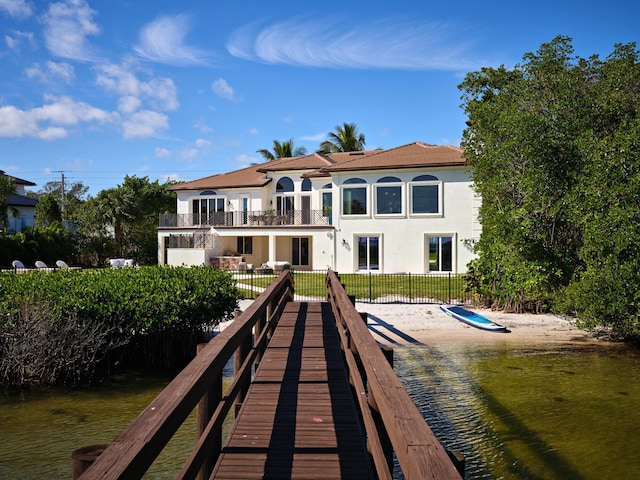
(62, 264)
(17, 265)
(40, 265)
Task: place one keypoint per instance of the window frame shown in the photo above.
(356, 251)
(356, 183)
(453, 253)
(438, 184)
(377, 186)
(241, 240)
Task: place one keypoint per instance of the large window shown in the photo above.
(440, 254)
(354, 198)
(300, 251)
(245, 245)
(388, 196)
(425, 195)
(368, 253)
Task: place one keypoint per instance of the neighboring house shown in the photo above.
(22, 206)
(406, 209)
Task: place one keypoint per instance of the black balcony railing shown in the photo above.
(238, 219)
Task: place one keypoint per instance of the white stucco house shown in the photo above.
(22, 209)
(408, 209)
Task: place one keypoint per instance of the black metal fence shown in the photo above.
(369, 287)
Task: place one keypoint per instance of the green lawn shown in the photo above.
(374, 287)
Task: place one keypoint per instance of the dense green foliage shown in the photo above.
(554, 150)
(119, 222)
(163, 309)
(47, 244)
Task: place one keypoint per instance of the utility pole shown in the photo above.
(61, 172)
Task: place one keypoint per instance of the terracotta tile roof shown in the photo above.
(415, 154)
(255, 175)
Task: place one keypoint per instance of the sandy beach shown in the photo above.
(407, 324)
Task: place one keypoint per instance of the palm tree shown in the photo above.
(344, 139)
(282, 150)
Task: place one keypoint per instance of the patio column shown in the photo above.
(272, 248)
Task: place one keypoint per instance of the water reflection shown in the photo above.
(558, 412)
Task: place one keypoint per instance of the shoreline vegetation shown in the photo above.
(77, 327)
(74, 328)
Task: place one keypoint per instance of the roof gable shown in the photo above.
(412, 155)
(415, 154)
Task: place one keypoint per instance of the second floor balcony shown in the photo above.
(245, 219)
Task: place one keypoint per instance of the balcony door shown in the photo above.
(208, 211)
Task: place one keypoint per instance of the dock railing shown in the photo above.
(392, 421)
(199, 386)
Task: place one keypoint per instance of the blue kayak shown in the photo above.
(472, 318)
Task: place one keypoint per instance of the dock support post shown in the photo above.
(204, 412)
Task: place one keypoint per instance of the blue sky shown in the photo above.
(99, 89)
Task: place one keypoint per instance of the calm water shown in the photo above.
(515, 413)
(531, 412)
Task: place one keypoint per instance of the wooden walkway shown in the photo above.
(299, 419)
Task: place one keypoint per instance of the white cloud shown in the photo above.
(121, 79)
(128, 104)
(247, 159)
(163, 41)
(189, 154)
(16, 8)
(51, 71)
(318, 137)
(162, 153)
(144, 124)
(50, 121)
(253, 131)
(203, 144)
(171, 177)
(386, 44)
(17, 38)
(67, 25)
(221, 88)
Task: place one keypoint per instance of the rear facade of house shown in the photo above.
(408, 209)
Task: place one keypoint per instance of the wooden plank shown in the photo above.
(299, 419)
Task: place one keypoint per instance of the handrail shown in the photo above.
(135, 449)
(382, 397)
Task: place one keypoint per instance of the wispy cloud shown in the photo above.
(16, 8)
(221, 88)
(331, 43)
(162, 153)
(51, 71)
(17, 38)
(144, 124)
(67, 26)
(318, 137)
(160, 92)
(163, 41)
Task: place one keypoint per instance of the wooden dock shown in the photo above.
(299, 419)
(314, 397)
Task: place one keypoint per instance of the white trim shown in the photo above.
(439, 184)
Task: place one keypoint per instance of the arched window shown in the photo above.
(389, 180)
(425, 178)
(388, 197)
(208, 192)
(353, 180)
(306, 185)
(285, 184)
(327, 186)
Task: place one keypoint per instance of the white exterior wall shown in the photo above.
(403, 238)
